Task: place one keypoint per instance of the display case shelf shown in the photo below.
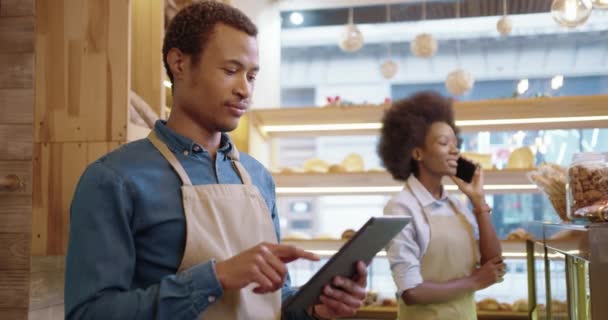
(327, 247)
(378, 312)
(297, 184)
(572, 112)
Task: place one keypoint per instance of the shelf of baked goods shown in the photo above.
(543, 113)
(390, 312)
(326, 247)
(487, 308)
(381, 182)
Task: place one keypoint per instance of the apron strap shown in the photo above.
(179, 169)
(242, 172)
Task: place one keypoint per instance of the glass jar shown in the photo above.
(587, 181)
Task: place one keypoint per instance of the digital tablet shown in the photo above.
(363, 246)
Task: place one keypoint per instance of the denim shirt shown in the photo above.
(128, 232)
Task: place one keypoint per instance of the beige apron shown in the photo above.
(452, 254)
(223, 220)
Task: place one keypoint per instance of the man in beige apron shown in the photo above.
(236, 218)
(230, 223)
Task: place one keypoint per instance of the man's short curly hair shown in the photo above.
(192, 27)
(405, 125)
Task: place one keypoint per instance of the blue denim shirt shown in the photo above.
(128, 232)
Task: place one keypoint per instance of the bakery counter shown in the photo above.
(379, 312)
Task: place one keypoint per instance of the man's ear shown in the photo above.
(176, 60)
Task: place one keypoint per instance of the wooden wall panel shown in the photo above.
(16, 142)
(14, 251)
(146, 52)
(15, 213)
(17, 25)
(46, 281)
(17, 34)
(87, 98)
(58, 167)
(23, 169)
(16, 8)
(13, 313)
(15, 288)
(17, 106)
(17, 70)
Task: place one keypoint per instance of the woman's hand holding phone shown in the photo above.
(473, 189)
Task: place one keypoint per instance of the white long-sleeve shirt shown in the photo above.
(406, 250)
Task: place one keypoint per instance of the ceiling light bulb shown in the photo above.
(571, 13)
(557, 82)
(523, 86)
(296, 18)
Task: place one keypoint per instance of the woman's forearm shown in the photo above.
(438, 292)
(489, 245)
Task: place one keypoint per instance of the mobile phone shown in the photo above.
(465, 170)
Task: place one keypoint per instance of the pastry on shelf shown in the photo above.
(316, 165)
(325, 236)
(337, 168)
(520, 305)
(521, 158)
(353, 163)
(292, 170)
(506, 307)
(519, 234)
(558, 306)
(296, 236)
(389, 302)
(347, 234)
(371, 298)
(488, 304)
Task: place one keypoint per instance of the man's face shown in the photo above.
(217, 91)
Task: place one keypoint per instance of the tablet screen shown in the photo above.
(363, 246)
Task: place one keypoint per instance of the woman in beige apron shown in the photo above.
(451, 254)
(223, 220)
(434, 259)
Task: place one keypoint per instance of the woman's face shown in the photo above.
(439, 154)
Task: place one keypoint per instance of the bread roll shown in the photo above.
(337, 168)
(316, 165)
(488, 304)
(353, 163)
(347, 234)
(520, 305)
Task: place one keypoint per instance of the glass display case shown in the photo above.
(569, 271)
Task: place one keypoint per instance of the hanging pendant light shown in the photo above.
(571, 13)
(504, 24)
(388, 68)
(352, 39)
(424, 45)
(459, 81)
(600, 4)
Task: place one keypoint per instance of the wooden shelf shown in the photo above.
(377, 312)
(510, 248)
(501, 109)
(495, 181)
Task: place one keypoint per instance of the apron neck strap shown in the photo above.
(242, 172)
(162, 147)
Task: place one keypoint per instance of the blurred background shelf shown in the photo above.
(495, 181)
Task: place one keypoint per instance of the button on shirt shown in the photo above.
(406, 250)
(128, 232)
